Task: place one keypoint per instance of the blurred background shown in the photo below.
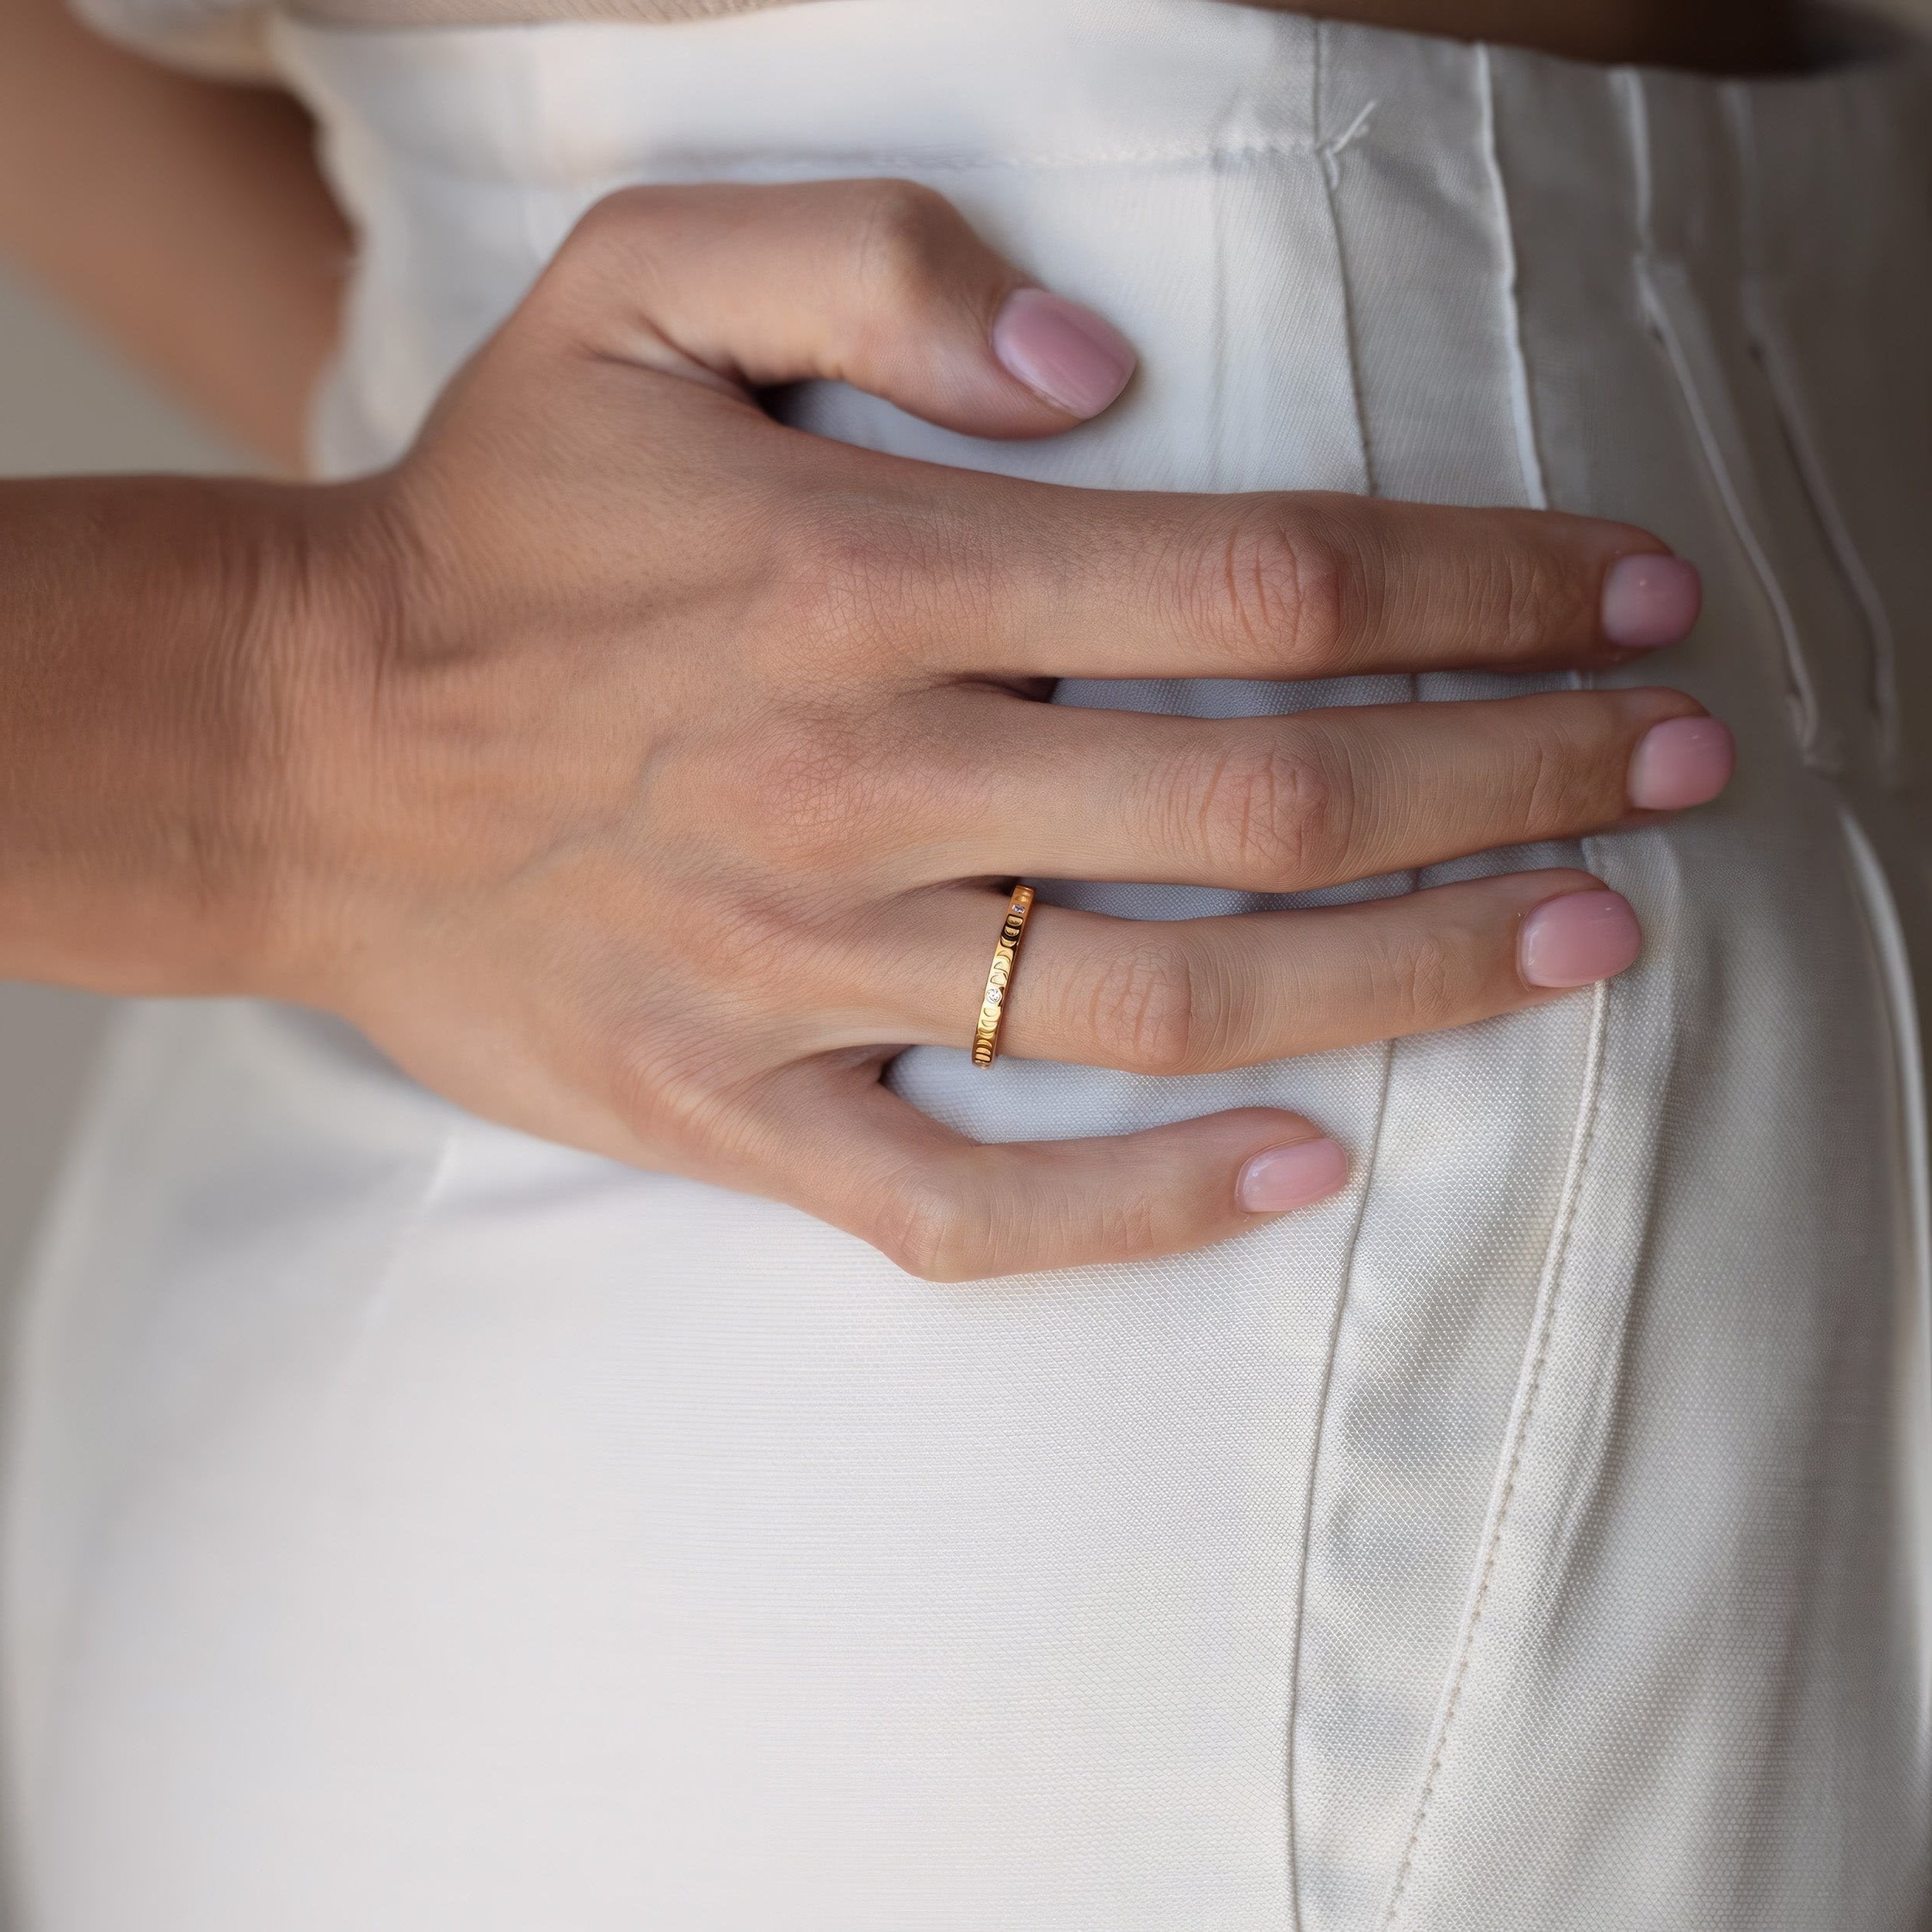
(65, 405)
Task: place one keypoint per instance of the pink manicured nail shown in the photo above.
(1651, 600)
(1687, 762)
(1578, 939)
(1062, 352)
(1282, 1177)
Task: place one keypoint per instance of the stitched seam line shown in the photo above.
(1899, 1002)
(1548, 1293)
(1315, 1466)
(1331, 181)
(1779, 363)
(1528, 451)
(1330, 152)
(1530, 457)
(821, 164)
(1813, 742)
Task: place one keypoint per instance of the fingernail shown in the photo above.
(1649, 601)
(1062, 352)
(1687, 762)
(1282, 1177)
(1578, 939)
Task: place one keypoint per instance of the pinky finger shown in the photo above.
(949, 1209)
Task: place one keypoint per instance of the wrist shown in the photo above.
(317, 599)
(171, 663)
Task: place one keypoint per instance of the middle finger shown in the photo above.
(1293, 804)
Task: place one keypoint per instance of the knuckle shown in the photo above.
(809, 788)
(1151, 1011)
(1423, 986)
(842, 577)
(608, 230)
(1554, 787)
(899, 230)
(1129, 1226)
(617, 260)
(920, 1228)
(853, 589)
(1279, 813)
(660, 1084)
(1564, 766)
(1512, 596)
(1432, 984)
(1283, 587)
(614, 215)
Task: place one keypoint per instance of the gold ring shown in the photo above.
(992, 1008)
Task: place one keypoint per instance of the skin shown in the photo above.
(186, 221)
(639, 772)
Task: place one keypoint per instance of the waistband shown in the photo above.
(870, 85)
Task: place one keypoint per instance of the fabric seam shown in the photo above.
(1315, 1466)
(1898, 1000)
(1814, 736)
(1344, 1288)
(1551, 1290)
(1529, 456)
(1766, 327)
(1528, 451)
(781, 166)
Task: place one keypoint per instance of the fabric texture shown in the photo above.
(414, 1525)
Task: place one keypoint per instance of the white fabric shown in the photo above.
(416, 1526)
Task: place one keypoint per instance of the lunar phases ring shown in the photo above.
(992, 1008)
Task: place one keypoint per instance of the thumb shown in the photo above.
(879, 283)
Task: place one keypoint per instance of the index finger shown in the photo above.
(1075, 583)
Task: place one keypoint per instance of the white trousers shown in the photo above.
(414, 1527)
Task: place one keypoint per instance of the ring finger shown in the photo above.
(1200, 995)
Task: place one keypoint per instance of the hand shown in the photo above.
(678, 789)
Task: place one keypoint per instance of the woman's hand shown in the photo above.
(673, 787)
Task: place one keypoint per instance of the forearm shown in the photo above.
(188, 221)
(159, 639)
